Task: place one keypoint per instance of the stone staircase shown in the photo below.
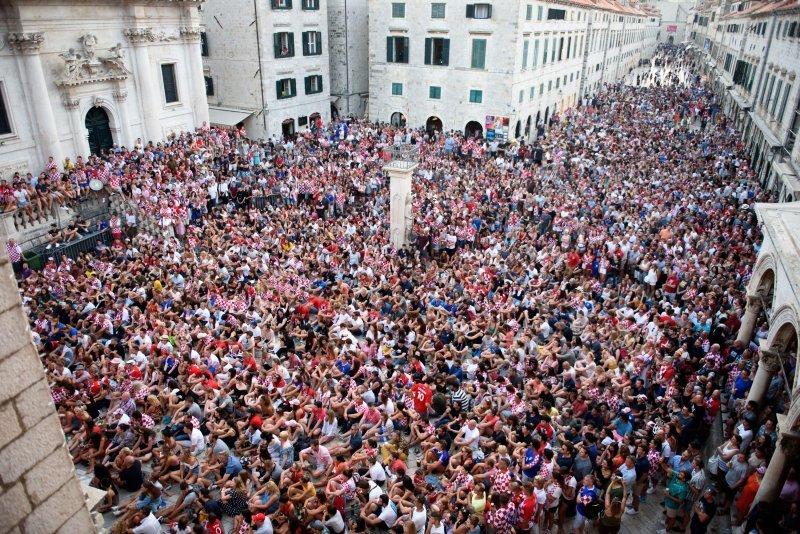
(16, 224)
(144, 221)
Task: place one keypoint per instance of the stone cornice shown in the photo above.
(26, 42)
(191, 33)
(140, 35)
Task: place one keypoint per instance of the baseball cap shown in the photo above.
(258, 518)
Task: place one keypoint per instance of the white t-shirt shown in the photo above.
(149, 525)
(198, 442)
(388, 515)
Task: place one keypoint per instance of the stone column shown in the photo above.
(121, 98)
(769, 363)
(777, 468)
(80, 138)
(749, 320)
(197, 80)
(29, 45)
(148, 89)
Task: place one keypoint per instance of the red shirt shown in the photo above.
(422, 397)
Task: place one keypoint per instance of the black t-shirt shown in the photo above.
(132, 477)
(697, 526)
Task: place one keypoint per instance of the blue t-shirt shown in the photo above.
(534, 460)
(233, 466)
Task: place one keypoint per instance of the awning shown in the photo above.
(739, 99)
(227, 116)
(763, 127)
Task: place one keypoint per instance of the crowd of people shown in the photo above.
(548, 351)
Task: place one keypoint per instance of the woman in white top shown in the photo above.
(330, 427)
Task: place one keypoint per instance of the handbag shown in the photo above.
(713, 464)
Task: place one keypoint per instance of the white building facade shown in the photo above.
(77, 77)
(751, 51)
(266, 64)
(506, 65)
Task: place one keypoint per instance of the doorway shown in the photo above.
(433, 124)
(97, 124)
(518, 129)
(398, 120)
(287, 127)
(473, 129)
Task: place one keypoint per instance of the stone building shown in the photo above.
(349, 58)
(266, 64)
(774, 293)
(497, 68)
(674, 15)
(83, 75)
(751, 51)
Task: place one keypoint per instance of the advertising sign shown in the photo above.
(497, 128)
(672, 28)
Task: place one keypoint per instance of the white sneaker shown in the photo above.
(631, 511)
(49, 247)
(58, 245)
(651, 490)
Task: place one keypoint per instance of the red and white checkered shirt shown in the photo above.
(501, 519)
(502, 482)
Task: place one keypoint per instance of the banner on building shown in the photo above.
(497, 128)
(672, 28)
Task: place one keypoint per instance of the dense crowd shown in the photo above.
(551, 347)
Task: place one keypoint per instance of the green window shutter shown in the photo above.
(406, 50)
(278, 89)
(525, 46)
(305, 43)
(489, 14)
(288, 4)
(291, 44)
(470, 11)
(308, 84)
(293, 86)
(478, 54)
(445, 51)
(319, 83)
(428, 50)
(389, 49)
(276, 39)
(319, 43)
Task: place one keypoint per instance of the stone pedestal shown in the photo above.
(402, 160)
(400, 203)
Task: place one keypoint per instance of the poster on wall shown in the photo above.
(497, 128)
(672, 28)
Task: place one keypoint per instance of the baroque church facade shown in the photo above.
(80, 76)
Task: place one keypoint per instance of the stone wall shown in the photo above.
(348, 31)
(38, 488)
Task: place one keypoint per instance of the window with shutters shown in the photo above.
(284, 44)
(312, 43)
(310, 5)
(313, 84)
(398, 10)
(286, 88)
(475, 96)
(281, 4)
(209, 85)
(544, 57)
(5, 120)
(397, 89)
(478, 54)
(435, 92)
(535, 60)
(528, 12)
(397, 49)
(170, 83)
(437, 10)
(774, 105)
(556, 14)
(302, 121)
(203, 44)
(561, 49)
(782, 108)
(437, 51)
(532, 93)
(521, 95)
(479, 11)
(525, 47)
(539, 12)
